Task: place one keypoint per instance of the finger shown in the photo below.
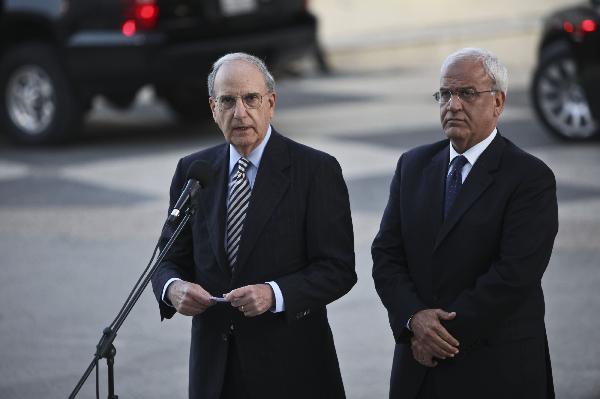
(250, 309)
(433, 342)
(236, 303)
(437, 352)
(446, 336)
(440, 348)
(230, 296)
(445, 315)
(237, 294)
(199, 296)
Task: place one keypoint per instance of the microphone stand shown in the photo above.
(105, 348)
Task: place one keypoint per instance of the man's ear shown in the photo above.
(272, 99)
(499, 100)
(213, 107)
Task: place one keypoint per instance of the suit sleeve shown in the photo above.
(330, 272)
(390, 269)
(178, 263)
(529, 227)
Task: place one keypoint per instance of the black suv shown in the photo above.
(566, 83)
(56, 55)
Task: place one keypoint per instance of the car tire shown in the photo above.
(37, 103)
(558, 96)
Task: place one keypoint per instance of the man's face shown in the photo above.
(243, 127)
(467, 123)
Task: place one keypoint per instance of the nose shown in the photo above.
(239, 110)
(455, 103)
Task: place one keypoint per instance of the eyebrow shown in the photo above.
(458, 88)
(242, 95)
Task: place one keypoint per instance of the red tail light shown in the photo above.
(568, 27)
(146, 14)
(128, 29)
(143, 15)
(588, 25)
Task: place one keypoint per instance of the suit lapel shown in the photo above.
(213, 206)
(478, 180)
(270, 185)
(435, 177)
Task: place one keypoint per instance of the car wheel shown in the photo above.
(37, 105)
(558, 97)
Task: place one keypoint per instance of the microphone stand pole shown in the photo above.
(105, 348)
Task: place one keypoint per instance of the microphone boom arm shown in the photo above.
(105, 348)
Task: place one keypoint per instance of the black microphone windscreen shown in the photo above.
(200, 170)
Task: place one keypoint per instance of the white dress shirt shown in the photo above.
(471, 154)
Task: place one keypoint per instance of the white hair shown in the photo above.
(251, 59)
(491, 64)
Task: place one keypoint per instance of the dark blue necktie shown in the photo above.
(453, 182)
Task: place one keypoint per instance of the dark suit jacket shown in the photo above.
(484, 261)
(298, 233)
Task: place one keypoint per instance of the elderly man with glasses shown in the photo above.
(464, 241)
(270, 245)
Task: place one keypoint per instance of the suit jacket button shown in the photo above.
(231, 327)
(224, 336)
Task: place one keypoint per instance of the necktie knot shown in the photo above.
(458, 163)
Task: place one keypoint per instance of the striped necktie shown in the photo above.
(236, 210)
(454, 182)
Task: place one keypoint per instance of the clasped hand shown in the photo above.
(191, 299)
(430, 339)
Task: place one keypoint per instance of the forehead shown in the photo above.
(239, 77)
(465, 73)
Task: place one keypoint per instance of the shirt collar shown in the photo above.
(474, 152)
(254, 157)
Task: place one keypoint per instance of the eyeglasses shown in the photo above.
(250, 101)
(466, 94)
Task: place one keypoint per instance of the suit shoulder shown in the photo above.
(302, 152)
(207, 154)
(427, 149)
(524, 162)
(424, 153)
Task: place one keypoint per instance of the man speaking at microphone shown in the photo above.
(269, 246)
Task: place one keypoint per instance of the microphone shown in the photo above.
(199, 175)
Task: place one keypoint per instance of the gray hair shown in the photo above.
(492, 65)
(257, 62)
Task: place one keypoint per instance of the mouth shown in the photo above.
(453, 121)
(241, 129)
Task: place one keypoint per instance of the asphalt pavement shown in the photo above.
(78, 224)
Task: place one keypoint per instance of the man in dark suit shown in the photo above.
(273, 236)
(463, 243)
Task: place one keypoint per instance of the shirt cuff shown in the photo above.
(164, 292)
(279, 305)
(408, 324)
